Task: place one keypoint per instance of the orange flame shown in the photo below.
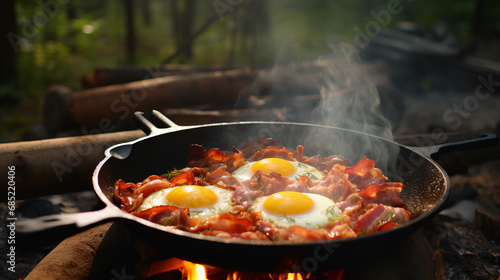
(195, 271)
(294, 276)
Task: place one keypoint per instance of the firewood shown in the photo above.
(91, 106)
(60, 165)
(72, 258)
(105, 76)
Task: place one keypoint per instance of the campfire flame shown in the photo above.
(294, 276)
(194, 271)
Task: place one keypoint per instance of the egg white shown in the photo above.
(222, 205)
(323, 211)
(245, 172)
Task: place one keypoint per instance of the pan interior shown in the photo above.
(425, 184)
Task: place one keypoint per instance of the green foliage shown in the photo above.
(65, 42)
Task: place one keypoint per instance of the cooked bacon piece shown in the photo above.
(215, 159)
(149, 179)
(379, 215)
(273, 152)
(226, 222)
(292, 233)
(222, 179)
(185, 178)
(335, 184)
(130, 196)
(386, 226)
(269, 184)
(124, 195)
(235, 161)
(319, 162)
(152, 186)
(165, 215)
(254, 145)
(248, 235)
(302, 185)
(245, 195)
(364, 173)
(298, 233)
(198, 172)
(341, 230)
(388, 193)
(352, 208)
(269, 230)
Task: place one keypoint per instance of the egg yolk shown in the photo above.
(268, 165)
(288, 203)
(192, 196)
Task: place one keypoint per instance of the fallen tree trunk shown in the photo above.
(98, 106)
(105, 76)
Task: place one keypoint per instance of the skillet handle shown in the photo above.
(122, 151)
(486, 140)
(149, 127)
(80, 220)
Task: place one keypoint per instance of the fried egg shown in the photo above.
(289, 208)
(202, 201)
(289, 169)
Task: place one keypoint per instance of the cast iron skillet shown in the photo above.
(426, 188)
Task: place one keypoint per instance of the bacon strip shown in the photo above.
(364, 173)
(376, 217)
(226, 222)
(388, 193)
(222, 179)
(321, 163)
(273, 152)
(165, 215)
(269, 184)
(130, 196)
(250, 147)
(335, 184)
(235, 161)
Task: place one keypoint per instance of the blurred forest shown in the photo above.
(58, 41)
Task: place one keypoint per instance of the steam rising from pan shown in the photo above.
(334, 91)
(351, 100)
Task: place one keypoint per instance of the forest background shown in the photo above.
(50, 42)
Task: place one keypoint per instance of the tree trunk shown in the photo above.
(130, 38)
(146, 12)
(187, 28)
(175, 21)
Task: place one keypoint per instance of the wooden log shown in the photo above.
(60, 165)
(90, 107)
(193, 116)
(105, 76)
(93, 107)
(72, 258)
(56, 115)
